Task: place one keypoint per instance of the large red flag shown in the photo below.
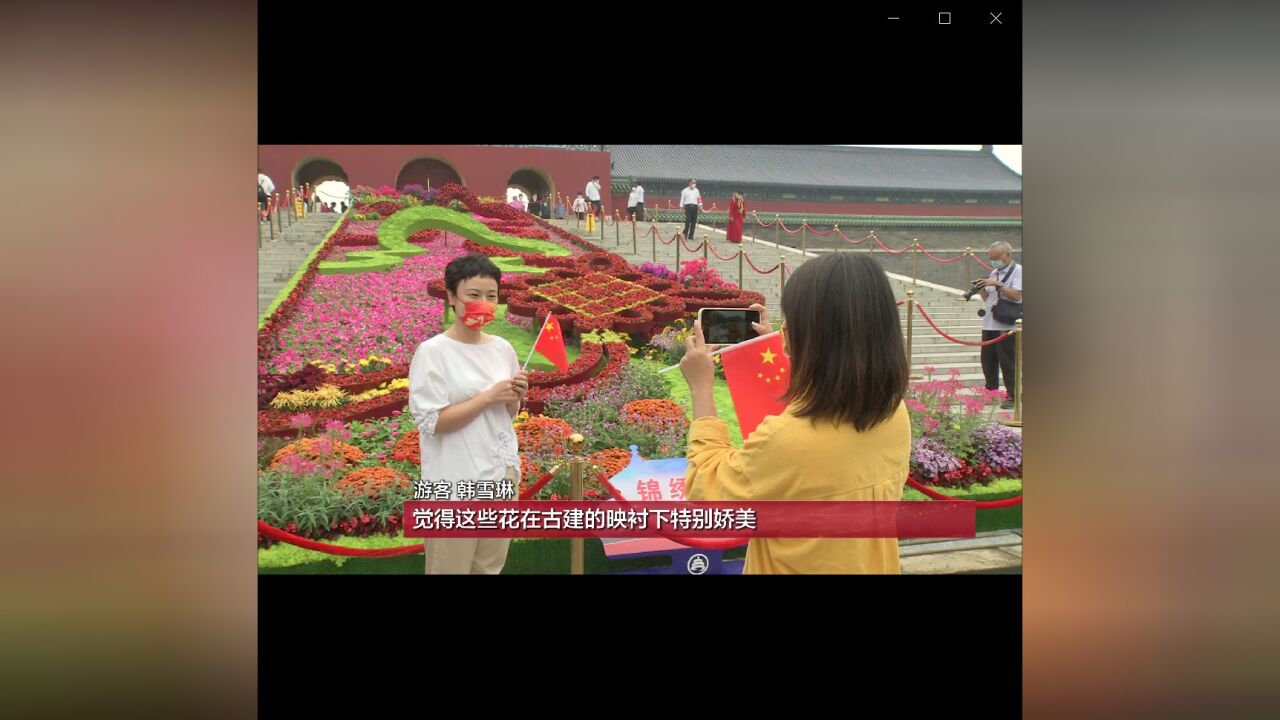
(757, 373)
(550, 343)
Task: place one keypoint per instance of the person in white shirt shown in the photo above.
(465, 386)
(1003, 285)
(265, 183)
(631, 203)
(691, 199)
(580, 207)
(593, 195)
(639, 191)
(265, 188)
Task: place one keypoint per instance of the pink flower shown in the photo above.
(301, 420)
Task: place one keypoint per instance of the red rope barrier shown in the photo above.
(978, 504)
(975, 257)
(935, 258)
(763, 225)
(718, 257)
(941, 332)
(785, 230)
(716, 544)
(331, 549)
(686, 246)
(855, 242)
(533, 489)
(753, 266)
(664, 242)
(815, 231)
(886, 247)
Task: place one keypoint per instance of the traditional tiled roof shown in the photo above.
(818, 166)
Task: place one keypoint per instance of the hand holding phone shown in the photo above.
(727, 326)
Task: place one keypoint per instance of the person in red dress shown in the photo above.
(737, 211)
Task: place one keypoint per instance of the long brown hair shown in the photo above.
(848, 362)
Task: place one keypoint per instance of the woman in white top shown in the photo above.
(465, 386)
(580, 207)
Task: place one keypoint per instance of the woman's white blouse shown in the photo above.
(445, 371)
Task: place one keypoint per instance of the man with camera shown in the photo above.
(1002, 305)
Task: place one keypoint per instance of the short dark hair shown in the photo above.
(848, 361)
(595, 177)
(467, 267)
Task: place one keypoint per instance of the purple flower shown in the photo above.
(930, 459)
(1000, 447)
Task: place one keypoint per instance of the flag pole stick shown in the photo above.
(535, 343)
(731, 347)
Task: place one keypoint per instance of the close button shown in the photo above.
(995, 18)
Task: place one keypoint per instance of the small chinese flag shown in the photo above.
(757, 373)
(550, 343)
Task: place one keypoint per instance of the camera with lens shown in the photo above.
(974, 290)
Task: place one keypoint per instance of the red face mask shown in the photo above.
(479, 313)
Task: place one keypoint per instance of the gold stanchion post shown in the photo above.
(706, 243)
(576, 463)
(871, 241)
(679, 242)
(915, 255)
(777, 225)
(617, 229)
(633, 236)
(602, 226)
(835, 238)
(1017, 376)
(276, 210)
(259, 224)
(653, 239)
(911, 306)
(968, 252)
(804, 236)
(782, 275)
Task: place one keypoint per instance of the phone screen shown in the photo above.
(726, 327)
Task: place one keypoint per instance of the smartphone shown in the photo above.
(727, 326)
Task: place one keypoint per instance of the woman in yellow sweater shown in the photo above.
(845, 434)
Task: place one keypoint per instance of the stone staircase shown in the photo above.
(278, 260)
(945, 305)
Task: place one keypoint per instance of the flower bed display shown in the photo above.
(279, 423)
(600, 291)
(318, 449)
(958, 449)
(542, 434)
(373, 483)
(408, 448)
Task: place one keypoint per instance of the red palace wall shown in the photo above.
(486, 170)
(768, 207)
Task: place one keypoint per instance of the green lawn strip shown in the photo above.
(394, 245)
(988, 520)
(297, 276)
